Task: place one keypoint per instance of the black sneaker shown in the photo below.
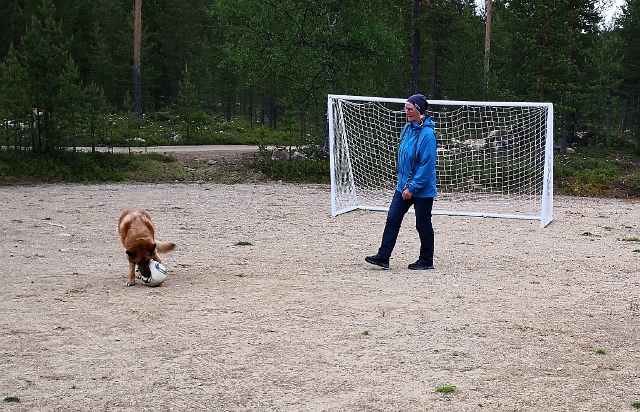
(378, 261)
(420, 265)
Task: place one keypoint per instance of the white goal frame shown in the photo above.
(495, 159)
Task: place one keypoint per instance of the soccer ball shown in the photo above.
(158, 274)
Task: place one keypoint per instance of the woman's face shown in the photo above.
(411, 112)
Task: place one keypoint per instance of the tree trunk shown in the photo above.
(433, 92)
(487, 49)
(137, 78)
(415, 48)
(271, 102)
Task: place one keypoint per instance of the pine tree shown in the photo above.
(188, 103)
(14, 108)
(71, 106)
(630, 34)
(44, 55)
(97, 121)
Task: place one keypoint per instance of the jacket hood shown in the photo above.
(426, 122)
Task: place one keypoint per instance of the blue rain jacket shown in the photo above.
(419, 179)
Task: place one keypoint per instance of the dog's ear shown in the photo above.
(153, 249)
(131, 254)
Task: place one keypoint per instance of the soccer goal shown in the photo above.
(495, 159)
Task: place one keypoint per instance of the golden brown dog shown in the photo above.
(137, 236)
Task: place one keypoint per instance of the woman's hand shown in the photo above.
(406, 194)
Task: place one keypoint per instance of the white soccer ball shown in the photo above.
(158, 274)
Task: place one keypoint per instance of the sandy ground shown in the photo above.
(514, 318)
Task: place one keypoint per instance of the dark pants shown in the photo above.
(397, 210)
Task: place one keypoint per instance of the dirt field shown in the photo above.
(514, 318)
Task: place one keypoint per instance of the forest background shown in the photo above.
(240, 72)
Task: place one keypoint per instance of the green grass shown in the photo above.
(243, 243)
(445, 389)
(99, 167)
(630, 239)
(308, 165)
(11, 399)
(605, 172)
(28, 167)
(636, 405)
(601, 351)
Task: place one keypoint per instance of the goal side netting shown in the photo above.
(494, 159)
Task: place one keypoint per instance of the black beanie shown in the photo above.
(420, 102)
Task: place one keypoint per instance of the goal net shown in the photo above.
(494, 159)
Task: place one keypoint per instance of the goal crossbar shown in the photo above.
(494, 159)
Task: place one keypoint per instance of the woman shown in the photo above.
(416, 185)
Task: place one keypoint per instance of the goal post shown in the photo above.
(494, 159)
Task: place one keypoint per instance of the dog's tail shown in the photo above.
(163, 247)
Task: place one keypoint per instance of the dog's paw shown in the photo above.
(131, 283)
